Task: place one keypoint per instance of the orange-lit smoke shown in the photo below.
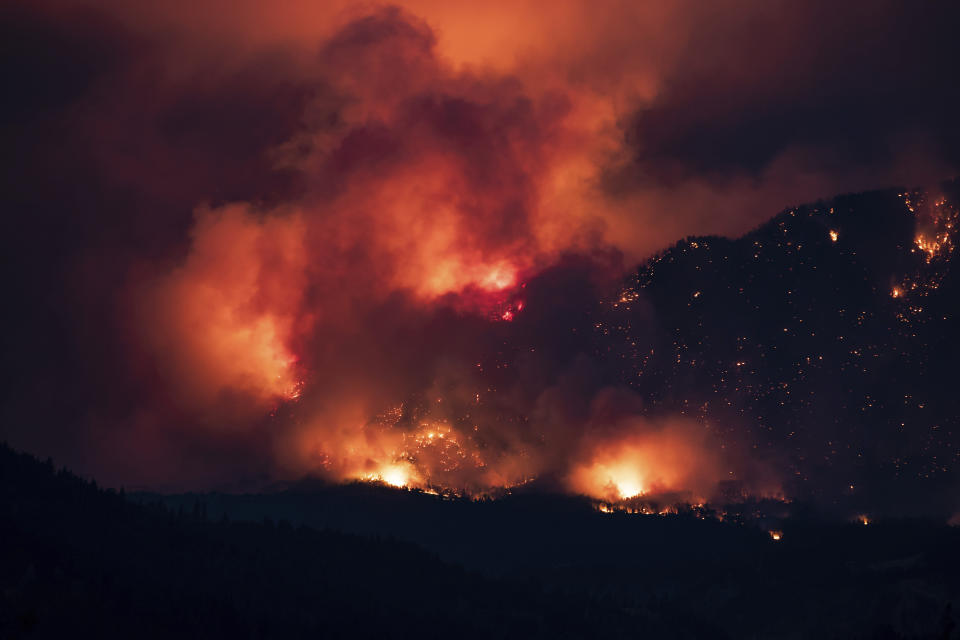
(223, 321)
(430, 183)
(436, 176)
(430, 189)
(297, 238)
(647, 460)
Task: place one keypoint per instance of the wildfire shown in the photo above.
(936, 224)
(614, 481)
(645, 473)
(936, 227)
(931, 245)
(627, 482)
(499, 277)
(834, 236)
(667, 459)
(431, 453)
(510, 311)
(776, 535)
(395, 475)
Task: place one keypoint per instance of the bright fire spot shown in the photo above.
(936, 230)
(896, 292)
(665, 459)
(776, 535)
(500, 277)
(395, 475)
(863, 519)
(628, 487)
(931, 245)
(619, 480)
(834, 236)
(510, 311)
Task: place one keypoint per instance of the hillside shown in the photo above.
(786, 342)
(78, 559)
(825, 340)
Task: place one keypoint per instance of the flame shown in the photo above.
(499, 277)
(398, 475)
(776, 535)
(621, 481)
(834, 236)
(674, 458)
(433, 455)
(936, 227)
(931, 245)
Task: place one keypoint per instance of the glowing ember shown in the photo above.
(935, 230)
(776, 535)
(896, 292)
(931, 245)
(834, 236)
(508, 312)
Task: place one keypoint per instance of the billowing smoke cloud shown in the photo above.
(371, 243)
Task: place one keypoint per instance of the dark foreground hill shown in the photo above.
(78, 560)
(892, 579)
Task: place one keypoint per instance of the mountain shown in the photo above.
(825, 341)
(821, 342)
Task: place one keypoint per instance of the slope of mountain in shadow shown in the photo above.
(825, 341)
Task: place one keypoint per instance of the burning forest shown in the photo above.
(498, 281)
(379, 249)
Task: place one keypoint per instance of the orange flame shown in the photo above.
(661, 460)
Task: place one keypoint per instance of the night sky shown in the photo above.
(598, 250)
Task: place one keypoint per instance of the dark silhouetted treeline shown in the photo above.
(82, 561)
(79, 561)
(896, 578)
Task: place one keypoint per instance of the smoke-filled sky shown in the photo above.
(250, 241)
